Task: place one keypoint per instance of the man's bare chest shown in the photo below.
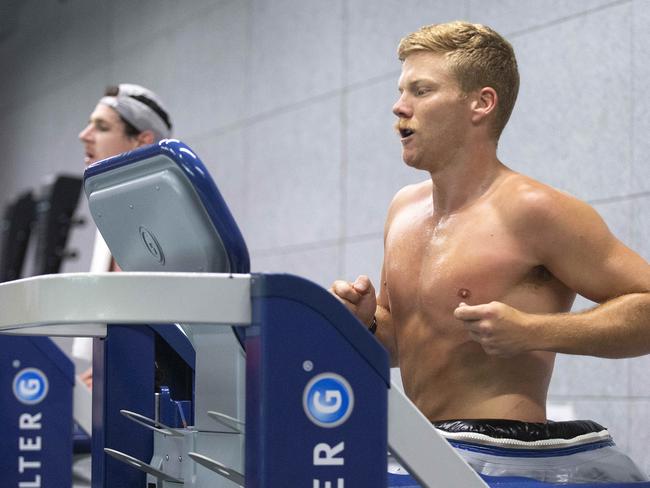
(431, 267)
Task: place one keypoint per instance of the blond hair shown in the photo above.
(478, 57)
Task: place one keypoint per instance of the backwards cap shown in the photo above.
(141, 108)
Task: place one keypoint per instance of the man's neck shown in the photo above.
(464, 180)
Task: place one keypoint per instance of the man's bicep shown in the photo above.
(382, 296)
(584, 254)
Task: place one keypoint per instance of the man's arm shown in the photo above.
(385, 329)
(572, 242)
(359, 297)
(616, 329)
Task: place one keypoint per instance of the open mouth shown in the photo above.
(89, 158)
(405, 133)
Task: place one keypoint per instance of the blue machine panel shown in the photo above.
(316, 405)
(36, 380)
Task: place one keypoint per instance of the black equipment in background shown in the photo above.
(15, 230)
(55, 207)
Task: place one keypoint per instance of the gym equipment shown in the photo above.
(290, 391)
(15, 229)
(54, 208)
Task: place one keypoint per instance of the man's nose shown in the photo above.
(85, 133)
(402, 109)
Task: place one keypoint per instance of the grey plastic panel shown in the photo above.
(133, 207)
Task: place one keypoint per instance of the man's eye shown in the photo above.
(421, 91)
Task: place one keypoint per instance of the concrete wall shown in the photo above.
(289, 103)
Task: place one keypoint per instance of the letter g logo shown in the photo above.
(151, 243)
(30, 386)
(328, 400)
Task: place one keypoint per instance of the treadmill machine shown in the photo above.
(290, 389)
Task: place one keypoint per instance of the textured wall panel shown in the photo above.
(319, 265)
(639, 419)
(206, 57)
(139, 22)
(364, 257)
(579, 376)
(294, 177)
(224, 156)
(296, 51)
(641, 105)
(571, 126)
(639, 381)
(508, 16)
(640, 240)
(375, 29)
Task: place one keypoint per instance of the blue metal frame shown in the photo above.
(44, 443)
(301, 335)
(123, 378)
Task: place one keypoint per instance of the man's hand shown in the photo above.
(87, 377)
(500, 329)
(359, 297)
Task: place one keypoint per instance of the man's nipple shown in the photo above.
(464, 293)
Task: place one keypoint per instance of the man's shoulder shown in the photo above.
(412, 193)
(407, 198)
(522, 197)
(542, 215)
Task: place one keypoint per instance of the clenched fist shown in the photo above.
(358, 296)
(500, 329)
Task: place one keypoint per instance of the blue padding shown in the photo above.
(310, 294)
(529, 453)
(207, 191)
(514, 482)
(406, 481)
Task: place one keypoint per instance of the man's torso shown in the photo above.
(473, 256)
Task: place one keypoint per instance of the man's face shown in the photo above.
(104, 135)
(433, 112)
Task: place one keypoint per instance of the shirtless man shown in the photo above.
(482, 264)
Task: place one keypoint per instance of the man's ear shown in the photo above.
(145, 137)
(484, 103)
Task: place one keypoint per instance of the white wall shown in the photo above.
(289, 104)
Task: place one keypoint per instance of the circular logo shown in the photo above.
(30, 386)
(151, 243)
(328, 400)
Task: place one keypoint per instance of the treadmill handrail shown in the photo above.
(72, 300)
(429, 458)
